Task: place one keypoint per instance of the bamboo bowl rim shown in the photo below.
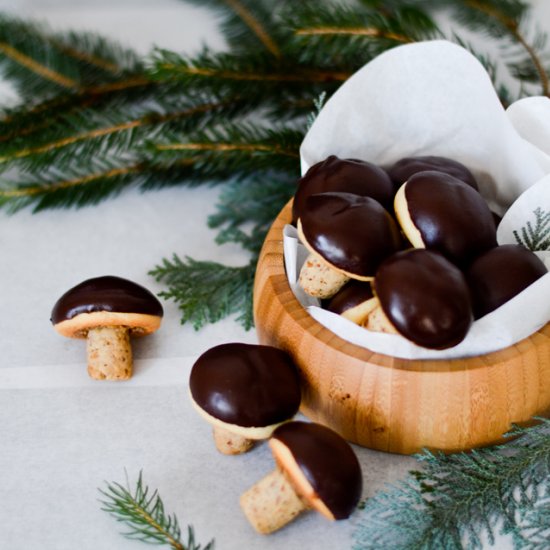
(272, 264)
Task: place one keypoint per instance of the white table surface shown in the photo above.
(61, 434)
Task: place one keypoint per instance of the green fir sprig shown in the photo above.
(535, 236)
(42, 63)
(248, 25)
(526, 57)
(206, 292)
(246, 209)
(241, 149)
(334, 34)
(457, 500)
(143, 515)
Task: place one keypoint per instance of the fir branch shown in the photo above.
(241, 149)
(535, 237)
(100, 59)
(458, 498)
(352, 35)
(145, 517)
(535, 527)
(112, 131)
(44, 118)
(255, 75)
(246, 209)
(37, 68)
(207, 291)
(282, 88)
(246, 24)
(92, 176)
(88, 185)
(79, 188)
(42, 63)
(506, 18)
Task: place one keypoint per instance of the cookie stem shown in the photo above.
(229, 443)
(109, 353)
(319, 279)
(271, 503)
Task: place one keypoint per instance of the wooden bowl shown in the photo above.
(392, 404)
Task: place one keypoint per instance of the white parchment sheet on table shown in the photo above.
(435, 98)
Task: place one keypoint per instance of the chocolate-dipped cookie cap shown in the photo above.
(500, 274)
(316, 468)
(328, 463)
(107, 293)
(403, 169)
(106, 311)
(244, 388)
(353, 294)
(353, 234)
(441, 213)
(425, 297)
(345, 176)
(354, 301)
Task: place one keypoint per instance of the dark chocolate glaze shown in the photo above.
(425, 297)
(246, 385)
(344, 176)
(352, 233)
(452, 218)
(106, 293)
(500, 274)
(351, 295)
(328, 463)
(403, 169)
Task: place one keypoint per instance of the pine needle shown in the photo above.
(144, 516)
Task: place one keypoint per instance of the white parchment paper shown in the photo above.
(435, 98)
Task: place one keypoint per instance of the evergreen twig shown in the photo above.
(344, 35)
(247, 208)
(247, 24)
(90, 133)
(504, 20)
(207, 291)
(144, 516)
(42, 63)
(456, 499)
(535, 236)
(238, 148)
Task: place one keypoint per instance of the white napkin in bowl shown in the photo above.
(435, 98)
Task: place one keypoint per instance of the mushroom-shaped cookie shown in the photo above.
(344, 176)
(316, 469)
(403, 169)
(423, 297)
(348, 236)
(354, 302)
(245, 391)
(500, 274)
(440, 212)
(106, 311)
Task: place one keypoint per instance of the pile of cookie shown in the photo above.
(250, 393)
(410, 250)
